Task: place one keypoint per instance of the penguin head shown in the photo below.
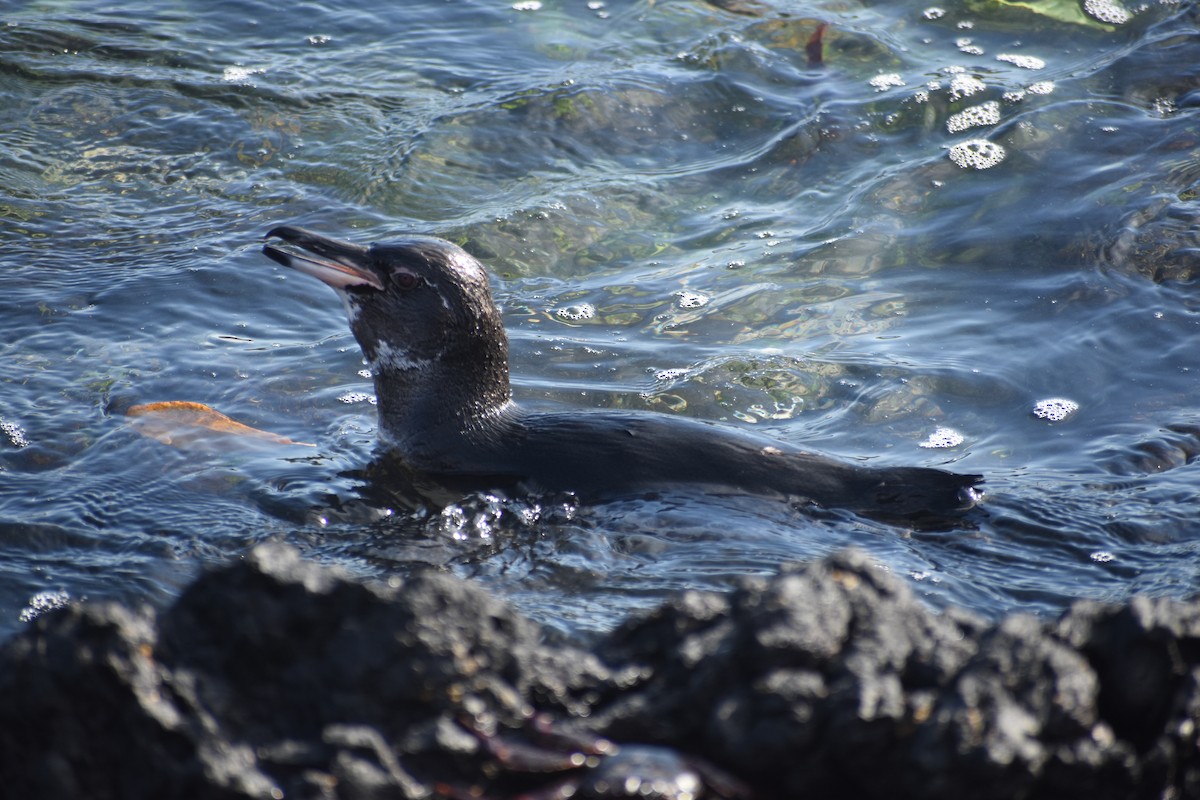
(410, 302)
(421, 309)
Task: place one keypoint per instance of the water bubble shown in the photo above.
(968, 46)
(942, 437)
(885, 81)
(977, 154)
(1106, 11)
(527, 5)
(933, 12)
(576, 312)
(484, 515)
(1041, 87)
(1024, 62)
(357, 397)
(984, 114)
(16, 436)
(42, 602)
(1055, 409)
(691, 299)
(239, 75)
(1164, 107)
(964, 86)
(1102, 556)
(780, 411)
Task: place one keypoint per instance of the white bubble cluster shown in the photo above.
(933, 12)
(968, 46)
(1041, 87)
(579, 311)
(1055, 409)
(12, 430)
(42, 602)
(691, 299)
(1106, 11)
(1102, 556)
(984, 114)
(239, 75)
(1024, 62)
(351, 398)
(977, 154)
(964, 86)
(886, 81)
(942, 437)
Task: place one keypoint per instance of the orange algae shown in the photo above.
(180, 423)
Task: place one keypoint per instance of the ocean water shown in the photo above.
(966, 237)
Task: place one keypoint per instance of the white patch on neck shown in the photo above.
(388, 358)
(351, 307)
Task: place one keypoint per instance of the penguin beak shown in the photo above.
(340, 264)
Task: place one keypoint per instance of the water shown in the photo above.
(681, 214)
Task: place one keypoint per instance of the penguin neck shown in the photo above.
(431, 409)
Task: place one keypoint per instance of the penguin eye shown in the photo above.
(405, 280)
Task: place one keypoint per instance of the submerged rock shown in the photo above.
(275, 677)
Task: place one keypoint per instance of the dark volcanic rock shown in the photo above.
(274, 677)
(271, 678)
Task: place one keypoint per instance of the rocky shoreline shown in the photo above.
(278, 678)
